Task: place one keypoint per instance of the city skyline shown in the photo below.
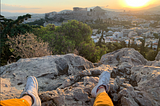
(41, 6)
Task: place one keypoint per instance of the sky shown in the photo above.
(45, 6)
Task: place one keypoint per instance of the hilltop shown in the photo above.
(68, 79)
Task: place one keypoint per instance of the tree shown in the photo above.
(151, 46)
(101, 40)
(59, 44)
(142, 47)
(99, 31)
(150, 55)
(129, 43)
(39, 22)
(123, 44)
(76, 31)
(155, 35)
(91, 52)
(11, 28)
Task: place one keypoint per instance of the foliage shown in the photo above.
(37, 22)
(91, 52)
(155, 35)
(101, 40)
(11, 28)
(27, 46)
(69, 37)
(61, 19)
(99, 31)
(102, 26)
(75, 31)
(150, 55)
(44, 32)
(123, 44)
(59, 44)
(113, 46)
(142, 47)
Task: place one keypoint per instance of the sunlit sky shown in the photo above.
(44, 6)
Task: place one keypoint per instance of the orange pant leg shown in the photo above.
(14, 102)
(103, 99)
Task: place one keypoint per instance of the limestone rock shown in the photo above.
(123, 55)
(67, 80)
(158, 56)
(157, 64)
(148, 80)
(45, 69)
(7, 91)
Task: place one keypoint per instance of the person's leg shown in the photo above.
(102, 98)
(24, 101)
(99, 91)
(28, 99)
(29, 96)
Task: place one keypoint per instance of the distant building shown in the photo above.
(109, 33)
(145, 25)
(94, 31)
(132, 34)
(117, 35)
(126, 32)
(147, 34)
(79, 9)
(80, 14)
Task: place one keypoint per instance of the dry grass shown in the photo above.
(27, 46)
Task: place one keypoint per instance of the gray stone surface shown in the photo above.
(158, 56)
(129, 55)
(67, 80)
(46, 69)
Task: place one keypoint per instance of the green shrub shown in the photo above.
(76, 31)
(70, 36)
(91, 52)
(151, 54)
(59, 44)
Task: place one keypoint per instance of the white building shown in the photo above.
(94, 31)
(126, 32)
(146, 34)
(117, 35)
(132, 34)
(109, 33)
(95, 38)
(138, 42)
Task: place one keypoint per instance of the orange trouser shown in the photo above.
(14, 102)
(103, 99)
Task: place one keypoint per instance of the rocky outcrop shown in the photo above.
(66, 80)
(123, 55)
(158, 56)
(50, 71)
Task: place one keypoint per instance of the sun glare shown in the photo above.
(136, 3)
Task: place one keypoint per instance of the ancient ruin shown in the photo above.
(80, 14)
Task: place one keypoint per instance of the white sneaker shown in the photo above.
(32, 90)
(103, 80)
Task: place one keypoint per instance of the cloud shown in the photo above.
(8, 7)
